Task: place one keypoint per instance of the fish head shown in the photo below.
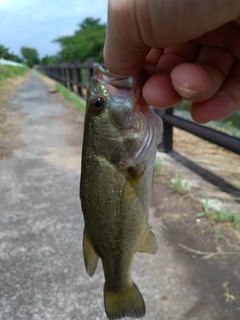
(117, 128)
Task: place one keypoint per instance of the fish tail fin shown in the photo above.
(124, 303)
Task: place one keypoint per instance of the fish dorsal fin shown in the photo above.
(90, 255)
(148, 243)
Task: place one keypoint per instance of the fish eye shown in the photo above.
(97, 104)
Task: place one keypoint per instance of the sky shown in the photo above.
(36, 23)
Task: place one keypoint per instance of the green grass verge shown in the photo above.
(72, 97)
(230, 125)
(11, 71)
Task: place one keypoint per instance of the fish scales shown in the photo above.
(118, 155)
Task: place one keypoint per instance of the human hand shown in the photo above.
(188, 49)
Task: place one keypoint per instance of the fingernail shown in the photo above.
(186, 93)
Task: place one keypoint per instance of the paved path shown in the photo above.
(42, 274)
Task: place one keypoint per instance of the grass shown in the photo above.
(72, 97)
(8, 74)
(217, 216)
(180, 185)
(11, 71)
(225, 127)
(229, 126)
(219, 235)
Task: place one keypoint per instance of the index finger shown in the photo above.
(124, 50)
(134, 27)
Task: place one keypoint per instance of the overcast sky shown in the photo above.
(35, 23)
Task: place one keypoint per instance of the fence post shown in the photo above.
(78, 78)
(49, 72)
(70, 76)
(55, 73)
(61, 75)
(166, 145)
(90, 62)
(64, 70)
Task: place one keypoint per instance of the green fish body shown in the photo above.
(118, 156)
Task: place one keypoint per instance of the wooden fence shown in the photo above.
(76, 77)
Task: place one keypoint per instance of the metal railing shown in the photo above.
(70, 75)
(170, 120)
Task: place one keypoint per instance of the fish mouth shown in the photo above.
(107, 77)
(116, 84)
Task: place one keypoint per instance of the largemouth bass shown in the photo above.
(118, 154)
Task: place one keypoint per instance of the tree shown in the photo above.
(5, 54)
(14, 57)
(48, 60)
(31, 56)
(87, 41)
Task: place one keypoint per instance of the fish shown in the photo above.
(119, 147)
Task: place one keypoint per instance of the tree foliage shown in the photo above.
(86, 42)
(5, 54)
(31, 56)
(48, 60)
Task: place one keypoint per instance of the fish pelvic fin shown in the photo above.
(124, 303)
(90, 255)
(148, 243)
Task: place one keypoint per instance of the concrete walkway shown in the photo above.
(42, 273)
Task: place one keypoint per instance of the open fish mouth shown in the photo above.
(107, 77)
(118, 85)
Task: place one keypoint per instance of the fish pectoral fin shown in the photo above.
(148, 243)
(90, 255)
(127, 302)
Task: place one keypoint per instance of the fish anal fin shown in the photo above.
(124, 303)
(148, 243)
(90, 255)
